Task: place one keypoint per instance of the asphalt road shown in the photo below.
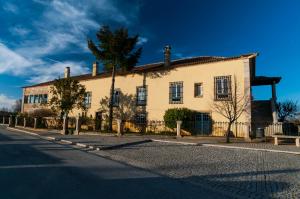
(34, 168)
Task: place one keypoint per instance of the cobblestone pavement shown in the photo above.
(241, 173)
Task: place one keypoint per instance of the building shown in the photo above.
(193, 83)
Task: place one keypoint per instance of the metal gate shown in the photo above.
(202, 124)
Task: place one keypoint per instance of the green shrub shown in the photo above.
(183, 114)
(43, 112)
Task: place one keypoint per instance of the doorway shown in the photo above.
(202, 124)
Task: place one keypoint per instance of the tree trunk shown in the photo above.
(228, 132)
(65, 124)
(110, 117)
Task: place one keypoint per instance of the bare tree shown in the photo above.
(233, 106)
(124, 109)
(286, 109)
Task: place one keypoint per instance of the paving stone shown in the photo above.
(245, 173)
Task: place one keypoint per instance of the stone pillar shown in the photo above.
(16, 122)
(247, 132)
(10, 122)
(178, 128)
(35, 123)
(24, 125)
(3, 122)
(78, 124)
(119, 127)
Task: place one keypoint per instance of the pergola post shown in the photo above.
(273, 103)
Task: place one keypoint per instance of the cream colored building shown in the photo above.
(193, 83)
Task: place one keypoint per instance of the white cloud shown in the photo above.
(56, 70)
(9, 7)
(36, 69)
(6, 102)
(62, 27)
(19, 30)
(52, 43)
(12, 62)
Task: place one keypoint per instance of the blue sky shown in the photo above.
(38, 38)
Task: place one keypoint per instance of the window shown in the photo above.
(176, 93)
(36, 99)
(223, 88)
(25, 99)
(87, 99)
(141, 98)
(116, 97)
(44, 98)
(40, 98)
(198, 90)
(31, 99)
(140, 118)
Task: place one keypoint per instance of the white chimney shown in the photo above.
(67, 72)
(167, 54)
(95, 69)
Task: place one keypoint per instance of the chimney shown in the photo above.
(67, 72)
(167, 53)
(95, 69)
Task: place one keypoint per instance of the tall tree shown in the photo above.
(233, 107)
(67, 94)
(117, 51)
(286, 109)
(17, 107)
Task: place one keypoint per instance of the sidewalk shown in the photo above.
(111, 141)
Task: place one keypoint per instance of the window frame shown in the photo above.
(87, 103)
(176, 85)
(118, 99)
(197, 95)
(138, 119)
(141, 102)
(220, 94)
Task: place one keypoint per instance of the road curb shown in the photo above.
(175, 142)
(81, 145)
(124, 145)
(23, 131)
(66, 142)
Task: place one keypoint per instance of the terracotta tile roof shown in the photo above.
(156, 67)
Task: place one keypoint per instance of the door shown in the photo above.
(202, 124)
